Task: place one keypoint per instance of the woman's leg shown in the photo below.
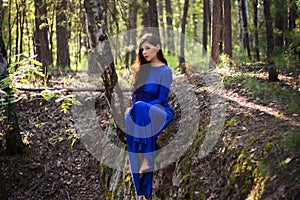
(144, 166)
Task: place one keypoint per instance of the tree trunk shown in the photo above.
(205, 26)
(195, 22)
(145, 15)
(22, 25)
(255, 21)
(62, 42)
(153, 16)
(14, 144)
(131, 33)
(182, 36)
(292, 16)
(215, 53)
(44, 54)
(273, 75)
(244, 11)
(227, 32)
(281, 22)
(170, 35)
(101, 59)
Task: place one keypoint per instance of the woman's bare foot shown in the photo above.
(144, 167)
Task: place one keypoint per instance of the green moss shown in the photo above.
(231, 122)
(269, 147)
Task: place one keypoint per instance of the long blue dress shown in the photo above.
(148, 116)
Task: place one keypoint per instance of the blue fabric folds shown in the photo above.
(149, 115)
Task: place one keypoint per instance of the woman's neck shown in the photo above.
(156, 63)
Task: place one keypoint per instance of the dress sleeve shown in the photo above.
(164, 89)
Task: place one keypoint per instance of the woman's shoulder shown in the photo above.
(163, 67)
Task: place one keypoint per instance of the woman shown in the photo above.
(150, 111)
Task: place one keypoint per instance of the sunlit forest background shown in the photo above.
(56, 55)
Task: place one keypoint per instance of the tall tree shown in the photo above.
(182, 35)
(205, 27)
(153, 16)
(273, 75)
(170, 35)
(101, 59)
(62, 40)
(215, 49)
(131, 24)
(44, 55)
(245, 22)
(14, 144)
(227, 31)
(145, 14)
(255, 22)
(281, 22)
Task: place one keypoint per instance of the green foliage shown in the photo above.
(274, 91)
(67, 102)
(292, 142)
(225, 61)
(227, 80)
(27, 71)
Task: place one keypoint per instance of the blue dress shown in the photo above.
(148, 116)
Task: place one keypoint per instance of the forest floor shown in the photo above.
(56, 164)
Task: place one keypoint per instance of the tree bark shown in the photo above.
(244, 11)
(101, 58)
(281, 22)
(62, 42)
(205, 27)
(273, 75)
(145, 15)
(131, 33)
(227, 31)
(170, 35)
(215, 53)
(255, 21)
(44, 55)
(182, 36)
(153, 16)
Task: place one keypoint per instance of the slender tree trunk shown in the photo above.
(131, 33)
(62, 42)
(161, 23)
(273, 75)
(292, 16)
(153, 16)
(205, 27)
(133, 17)
(255, 21)
(215, 53)
(195, 22)
(17, 32)
(44, 54)
(244, 10)
(22, 25)
(281, 22)
(170, 35)
(182, 36)
(145, 14)
(9, 31)
(227, 32)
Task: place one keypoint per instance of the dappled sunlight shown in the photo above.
(235, 97)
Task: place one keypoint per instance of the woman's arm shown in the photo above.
(164, 88)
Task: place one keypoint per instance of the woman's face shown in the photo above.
(149, 51)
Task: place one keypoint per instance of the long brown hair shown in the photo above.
(140, 73)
